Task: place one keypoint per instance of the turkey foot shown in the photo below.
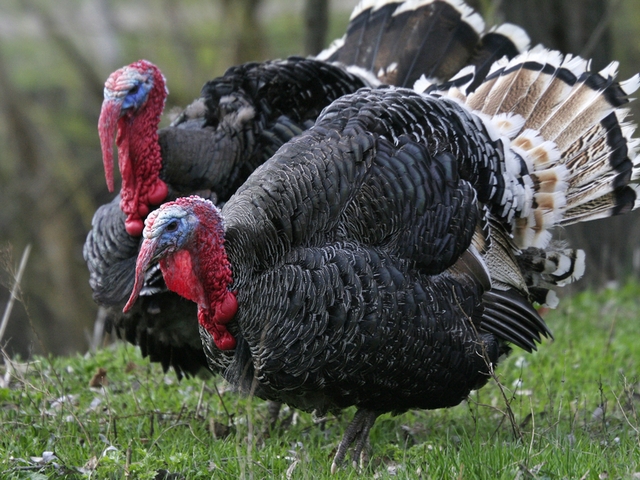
(358, 431)
(273, 408)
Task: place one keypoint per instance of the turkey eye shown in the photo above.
(134, 89)
(172, 227)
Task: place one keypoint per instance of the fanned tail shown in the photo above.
(520, 279)
(568, 156)
(555, 265)
(506, 40)
(569, 151)
(400, 41)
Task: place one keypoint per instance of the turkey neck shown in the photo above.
(140, 160)
(202, 273)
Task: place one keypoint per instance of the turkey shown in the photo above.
(382, 259)
(215, 144)
(242, 118)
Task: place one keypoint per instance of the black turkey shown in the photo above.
(376, 260)
(241, 119)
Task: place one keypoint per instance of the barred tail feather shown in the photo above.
(576, 150)
(506, 40)
(401, 40)
(437, 44)
(613, 203)
(553, 265)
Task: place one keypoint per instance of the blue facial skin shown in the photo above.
(173, 230)
(137, 94)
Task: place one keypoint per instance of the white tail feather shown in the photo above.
(630, 85)
(516, 34)
(555, 115)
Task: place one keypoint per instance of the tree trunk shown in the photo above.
(316, 19)
(580, 28)
(56, 281)
(240, 17)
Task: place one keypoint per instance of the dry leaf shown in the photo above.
(99, 379)
(219, 430)
(91, 464)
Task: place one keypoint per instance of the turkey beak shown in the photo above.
(148, 254)
(107, 126)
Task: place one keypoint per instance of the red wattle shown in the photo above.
(158, 193)
(225, 311)
(143, 210)
(201, 271)
(224, 340)
(133, 226)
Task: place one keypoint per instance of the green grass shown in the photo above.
(574, 405)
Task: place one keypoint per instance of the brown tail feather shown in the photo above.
(567, 125)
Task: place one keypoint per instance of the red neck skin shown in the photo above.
(202, 274)
(140, 160)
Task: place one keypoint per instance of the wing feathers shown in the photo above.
(511, 317)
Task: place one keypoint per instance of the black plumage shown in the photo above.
(383, 258)
(240, 121)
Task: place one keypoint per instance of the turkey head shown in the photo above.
(134, 98)
(186, 237)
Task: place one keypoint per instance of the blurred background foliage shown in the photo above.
(55, 56)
